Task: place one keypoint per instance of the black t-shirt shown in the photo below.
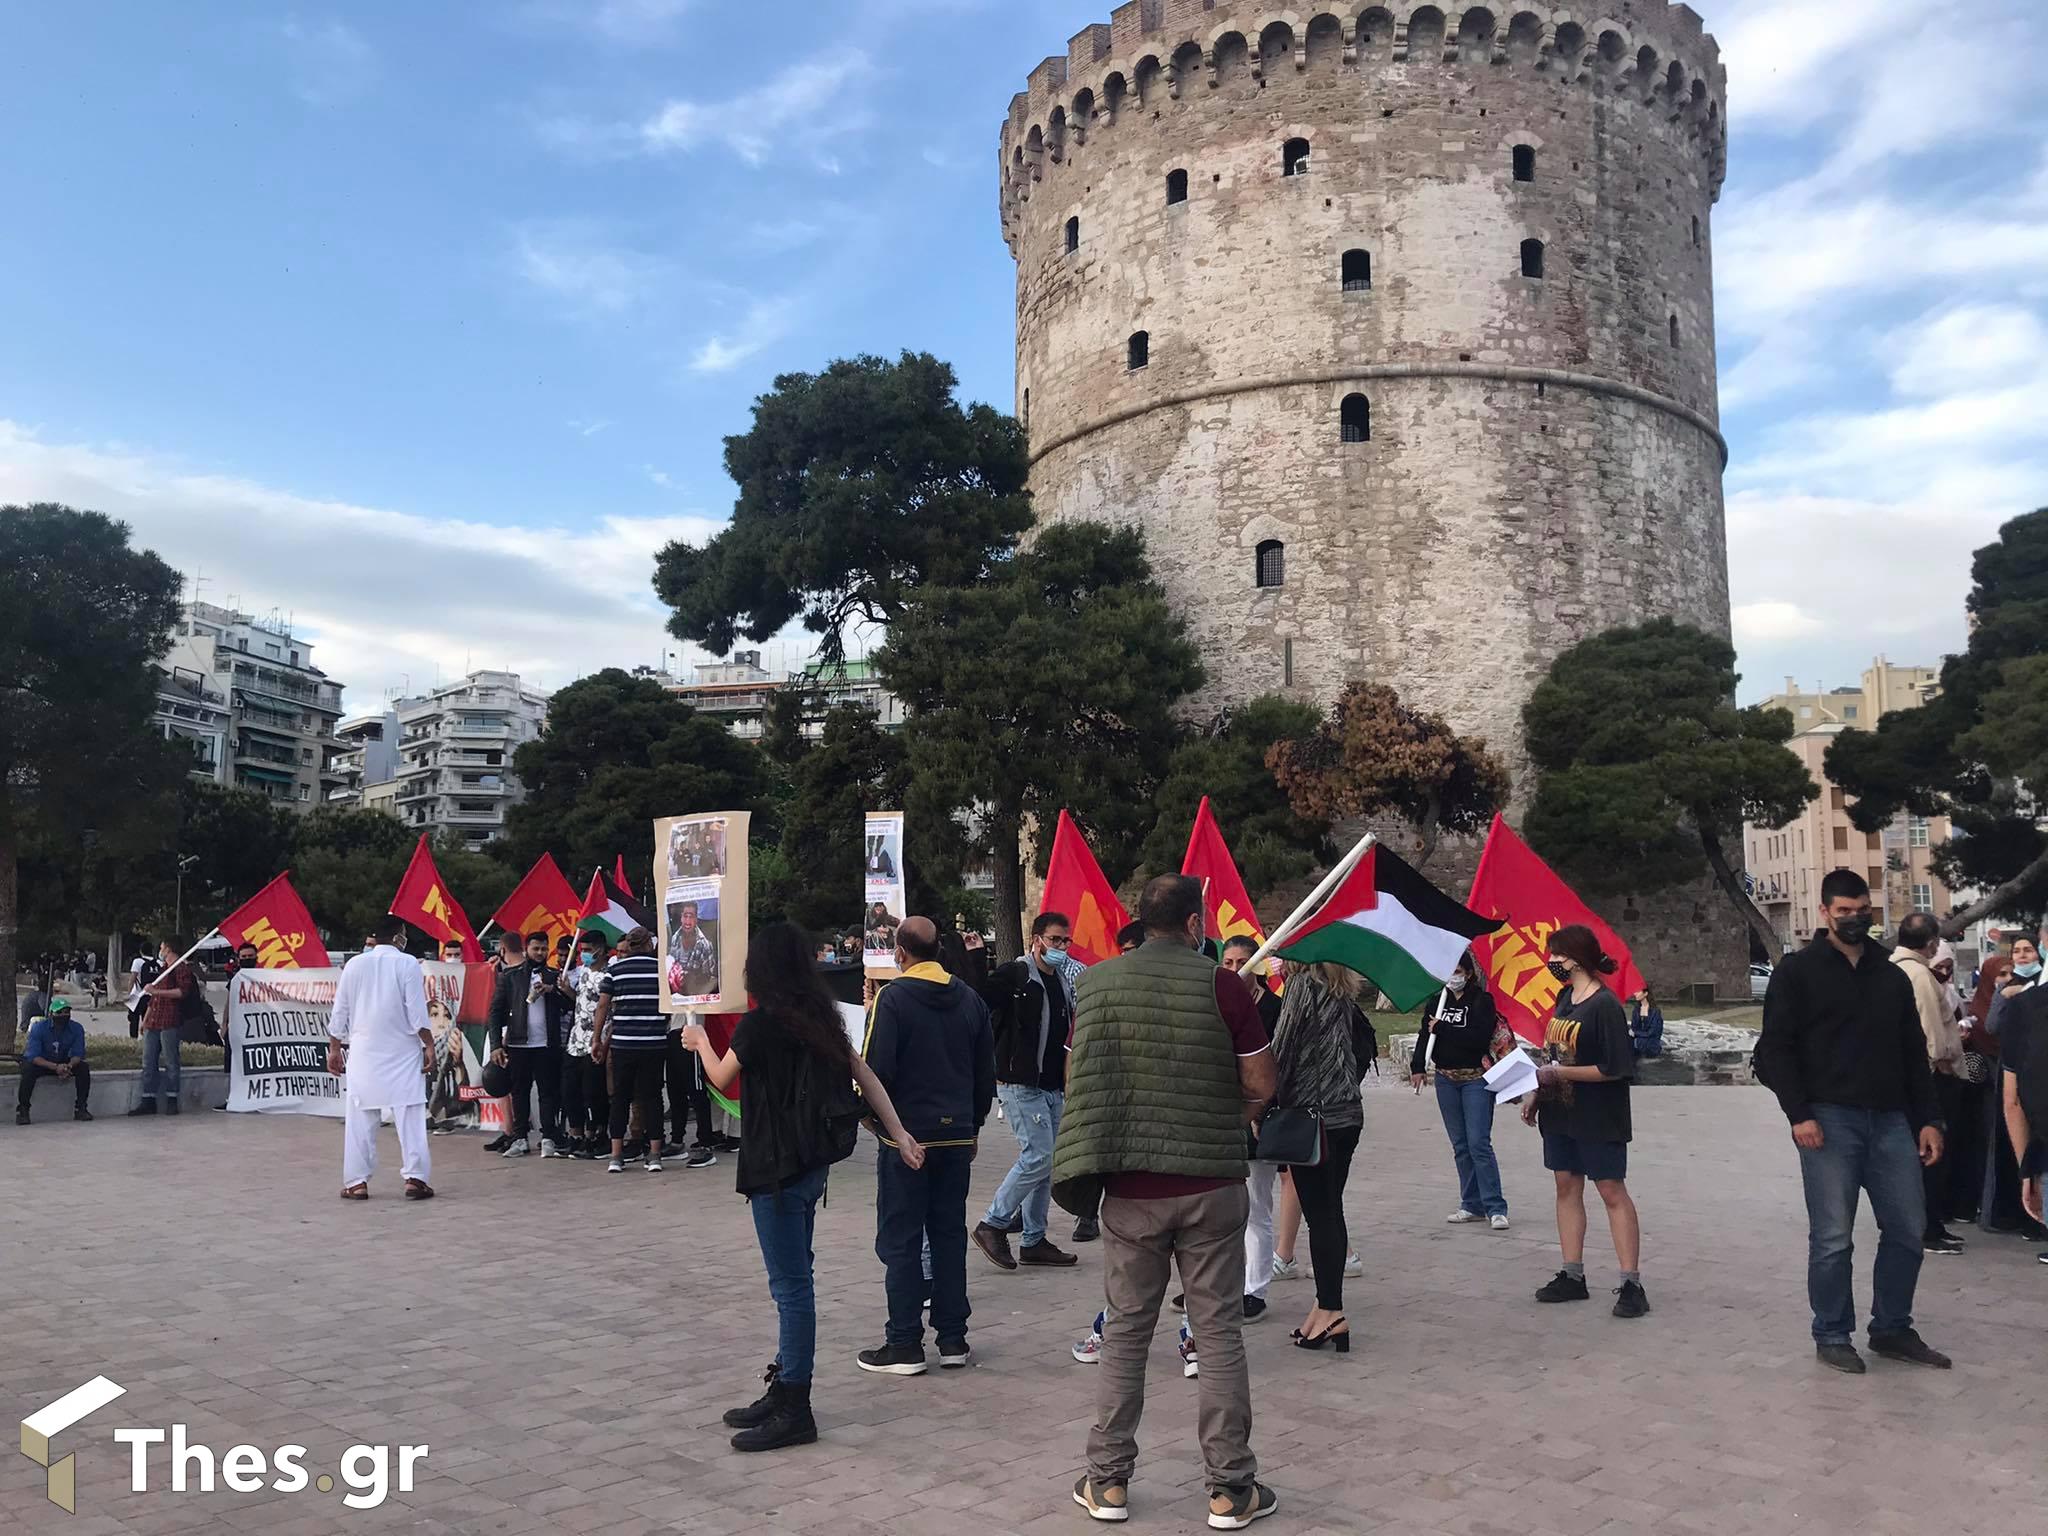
(1589, 1034)
(769, 1056)
(2022, 1053)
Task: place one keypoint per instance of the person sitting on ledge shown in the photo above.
(56, 1048)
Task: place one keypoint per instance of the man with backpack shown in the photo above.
(169, 997)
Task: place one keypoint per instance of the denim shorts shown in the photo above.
(1599, 1161)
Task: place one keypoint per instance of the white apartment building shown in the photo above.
(455, 749)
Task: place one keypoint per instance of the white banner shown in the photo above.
(277, 1038)
(883, 883)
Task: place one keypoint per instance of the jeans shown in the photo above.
(1871, 1149)
(1034, 1114)
(31, 1074)
(536, 1068)
(1467, 1109)
(160, 1063)
(1321, 1192)
(783, 1221)
(912, 1205)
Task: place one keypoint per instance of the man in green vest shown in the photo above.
(1169, 1064)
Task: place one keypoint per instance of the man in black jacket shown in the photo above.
(531, 1011)
(1843, 1051)
(930, 1046)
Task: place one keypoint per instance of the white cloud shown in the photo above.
(1767, 622)
(660, 477)
(789, 116)
(588, 428)
(765, 323)
(383, 594)
(329, 60)
(780, 235)
(1966, 348)
(579, 265)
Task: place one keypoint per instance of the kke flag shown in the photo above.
(1516, 887)
(1392, 927)
(619, 876)
(422, 899)
(1226, 909)
(1075, 885)
(276, 921)
(544, 901)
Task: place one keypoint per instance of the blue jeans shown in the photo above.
(1467, 1109)
(160, 1056)
(920, 1222)
(1034, 1114)
(784, 1221)
(1872, 1149)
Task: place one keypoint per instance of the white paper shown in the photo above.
(1512, 1076)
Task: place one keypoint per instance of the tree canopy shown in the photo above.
(1646, 767)
(857, 486)
(1977, 752)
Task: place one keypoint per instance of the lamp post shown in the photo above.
(185, 862)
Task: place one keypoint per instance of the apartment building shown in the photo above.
(738, 690)
(365, 755)
(455, 749)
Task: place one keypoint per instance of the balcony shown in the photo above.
(500, 730)
(491, 818)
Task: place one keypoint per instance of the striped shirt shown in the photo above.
(633, 983)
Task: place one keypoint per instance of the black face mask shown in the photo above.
(1852, 930)
(1560, 970)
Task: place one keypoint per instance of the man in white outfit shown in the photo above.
(383, 1043)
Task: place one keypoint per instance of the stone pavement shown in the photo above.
(564, 1342)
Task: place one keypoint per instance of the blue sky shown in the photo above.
(425, 323)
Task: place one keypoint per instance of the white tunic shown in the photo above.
(380, 1007)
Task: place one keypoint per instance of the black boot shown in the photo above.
(761, 1409)
(791, 1423)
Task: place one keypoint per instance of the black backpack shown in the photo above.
(825, 1114)
(196, 1018)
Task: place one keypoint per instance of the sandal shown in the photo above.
(356, 1192)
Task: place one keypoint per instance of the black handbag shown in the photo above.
(1293, 1136)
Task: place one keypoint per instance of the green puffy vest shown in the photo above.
(1152, 1081)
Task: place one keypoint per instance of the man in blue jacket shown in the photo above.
(930, 1044)
(56, 1048)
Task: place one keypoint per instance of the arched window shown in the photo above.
(1357, 271)
(1525, 162)
(1073, 234)
(1270, 568)
(1674, 330)
(1532, 258)
(1356, 418)
(1138, 351)
(1176, 187)
(1294, 158)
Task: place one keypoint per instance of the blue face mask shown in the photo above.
(589, 957)
(2030, 970)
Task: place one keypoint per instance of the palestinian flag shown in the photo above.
(609, 912)
(1390, 925)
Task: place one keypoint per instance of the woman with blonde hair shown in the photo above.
(1318, 1070)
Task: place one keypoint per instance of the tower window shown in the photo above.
(1525, 162)
(1177, 188)
(1695, 231)
(1532, 258)
(1674, 330)
(1356, 417)
(1357, 271)
(1139, 350)
(1294, 158)
(1073, 235)
(1271, 564)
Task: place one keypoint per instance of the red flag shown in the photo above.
(276, 921)
(422, 899)
(1226, 909)
(543, 901)
(623, 880)
(1075, 885)
(1519, 888)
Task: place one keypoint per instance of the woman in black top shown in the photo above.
(1470, 1037)
(791, 1045)
(1581, 1105)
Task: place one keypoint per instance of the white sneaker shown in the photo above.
(654, 1165)
(1498, 1223)
(517, 1149)
(1089, 1350)
(1460, 1217)
(1354, 1266)
(1189, 1365)
(1286, 1269)
(615, 1166)
(548, 1149)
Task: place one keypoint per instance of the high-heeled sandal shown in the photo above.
(1340, 1342)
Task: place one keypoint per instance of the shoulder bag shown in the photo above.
(1292, 1135)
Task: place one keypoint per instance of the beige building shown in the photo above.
(1885, 689)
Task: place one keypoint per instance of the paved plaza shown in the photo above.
(564, 1342)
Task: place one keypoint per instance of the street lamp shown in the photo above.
(185, 862)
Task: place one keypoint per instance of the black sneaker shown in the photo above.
(1109, 1499)
(171, 1106)
(1087, 1229)
(21, 1117)
(700, 1157)
(789, 1423)
(498, 1143)
(1232, 1509)
(1629, 1300)
(636, 1149)
(1840, 1357)
(1909, 1347)
(1254, 1308)
(81, 1114)
(146, 1107)
(1941, 1243)
(894, 1360)
(953, 1354)
(1565, 1287)
(2041, 1258)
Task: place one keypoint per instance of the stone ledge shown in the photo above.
(115, 1093)
(1696, 1054)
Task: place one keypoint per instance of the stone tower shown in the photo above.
(1392, 327)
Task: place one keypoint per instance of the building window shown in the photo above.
(1294, 158)
(1841, 839)
(1357, 271)
(1923, 897)
(1525, 162)
(1695, 231)
(1674, 330)
(1356, 417)
(1271, 563)
(1836, 800)
(1532, 258)
(1916, 832)
(1848, 711)
(1139, 350)
(1073, 235)
(1176, 187)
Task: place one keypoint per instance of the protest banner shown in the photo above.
(700, 871)
(882, 886)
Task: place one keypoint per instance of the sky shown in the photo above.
(423, 325)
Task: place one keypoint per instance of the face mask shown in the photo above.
(2030, 970)
(1459, 981)
(1560, 970)
(1853, 930)
(590, 957)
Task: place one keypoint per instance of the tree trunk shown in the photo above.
(1432, 826)
(10, 935)
(1724, 876)
(1986, 906)
(1007, 867)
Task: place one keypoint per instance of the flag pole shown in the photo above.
(1314, 899)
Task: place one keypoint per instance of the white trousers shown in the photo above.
(1258, 1228)
(359, 1144)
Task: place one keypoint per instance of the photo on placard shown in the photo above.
(692, 959)
(696, 850)
(878, 929)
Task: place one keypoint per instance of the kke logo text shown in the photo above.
(371, 1473)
